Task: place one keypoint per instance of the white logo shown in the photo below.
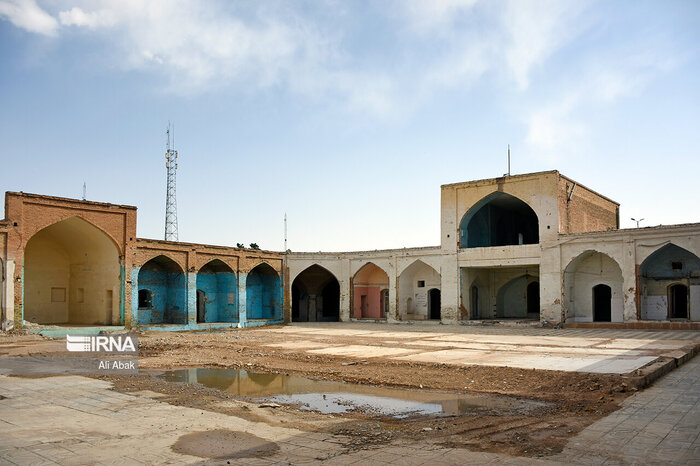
(101, 343)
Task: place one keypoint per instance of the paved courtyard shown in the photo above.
(575, 350)
(78, 420)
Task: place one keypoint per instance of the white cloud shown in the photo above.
(427, 15)
(618, 74)
(77, 17)
(536, 30)
(26, 14)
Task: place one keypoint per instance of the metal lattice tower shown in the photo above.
(170, 200)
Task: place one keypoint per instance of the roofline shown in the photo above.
(586, 187)
(525, 175)
(651, 229)
(373, 251)
(494, 180)
(68, 199)
(213, 246)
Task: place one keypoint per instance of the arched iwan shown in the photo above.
(370, 292)
(499, 219)
(315, 296)
(263, 293)
(217, 293)
(164, 279)
(665, 268)
(72, 275)
(586, 298)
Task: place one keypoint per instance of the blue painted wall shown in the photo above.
(169, 296)
(658, 265)
(217, 287)
(263, 294)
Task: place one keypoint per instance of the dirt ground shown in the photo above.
(575, 400)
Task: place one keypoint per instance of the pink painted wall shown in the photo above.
(374, 302)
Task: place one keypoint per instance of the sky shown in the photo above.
(346, 115)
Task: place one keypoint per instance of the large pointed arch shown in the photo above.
(661, 277)
(583, 302)
(315, 295)
(263, 293)
(414, 285)
(162, 292)
(217, 293)
(499, 219)
(370, 292)
(72, 275)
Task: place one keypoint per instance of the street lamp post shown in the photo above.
(638, 221)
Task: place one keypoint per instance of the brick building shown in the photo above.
(537, 246)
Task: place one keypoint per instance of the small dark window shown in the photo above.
(421, 283)
(677, 265)
(145, 299)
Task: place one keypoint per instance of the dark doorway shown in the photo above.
(315, 296)
(533, 298)
(296, 295)
(678, 302)
(475, 302)
(434, 303)
(602, 303)
(201, 306)
(330, 310)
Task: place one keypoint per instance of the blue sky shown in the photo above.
(348, 116)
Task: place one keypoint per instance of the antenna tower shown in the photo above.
(170, 201)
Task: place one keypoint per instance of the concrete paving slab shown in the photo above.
(628, 343)
(522, 339)
(527, 348)
(300, 344)
(592, 364)
(363, 351)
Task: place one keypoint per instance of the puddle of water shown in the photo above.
(329, 397)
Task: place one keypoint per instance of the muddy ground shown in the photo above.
(574, 400)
